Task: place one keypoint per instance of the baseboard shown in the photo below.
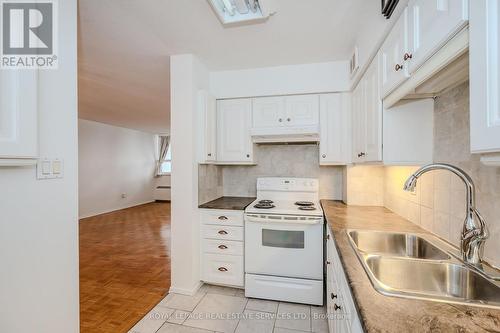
(115, 209)
(183, 291)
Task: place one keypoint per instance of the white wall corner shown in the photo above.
(187, 76)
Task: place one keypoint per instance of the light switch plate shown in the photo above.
(50, 168)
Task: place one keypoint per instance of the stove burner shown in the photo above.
(304, 204)
(264, 206)
(307, 208)
(266, 202)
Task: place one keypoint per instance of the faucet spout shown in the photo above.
(474, 231)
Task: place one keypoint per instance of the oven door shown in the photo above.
(284, 247)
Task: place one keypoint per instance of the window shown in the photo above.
(166, 164)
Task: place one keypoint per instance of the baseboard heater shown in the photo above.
(162, 193)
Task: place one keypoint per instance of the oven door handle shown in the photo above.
(309, 221)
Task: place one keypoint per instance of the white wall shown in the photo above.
(114, 161)
(187, 76)
(281, 80)
(39, 218)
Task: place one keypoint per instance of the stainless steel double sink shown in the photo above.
(422, 267)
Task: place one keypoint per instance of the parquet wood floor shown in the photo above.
(124, 266)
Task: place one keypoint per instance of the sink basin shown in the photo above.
(444, 281)
(396, 245)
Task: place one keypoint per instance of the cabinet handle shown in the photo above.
(336, 307)
(222, 232)
(288, 119)
(398, 67)
(328, 263)
(361, 154)
(222, 247)
(324, 155)
(222, 269)
(327, 237)
(407, 56)
(222, 218)
(333, 296)
(210, 154)
(280, 120)
(248, 155)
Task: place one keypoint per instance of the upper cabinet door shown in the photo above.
(394, 70)
(18, 116)
(334, 129)
(234, 143)
(485, 75)
(302, 110)
(208, 128)
(358, 123)
(432, 23)
(373, 109)
(268, 112)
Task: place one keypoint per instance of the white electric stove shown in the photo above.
(284, 241)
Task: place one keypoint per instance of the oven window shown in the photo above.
(283, 238)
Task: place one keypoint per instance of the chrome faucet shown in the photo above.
(474, 231)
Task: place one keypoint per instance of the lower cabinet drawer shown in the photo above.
(222, 232)
(223, 269)
(213, 246)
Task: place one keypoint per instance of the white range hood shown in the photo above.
(302, 134)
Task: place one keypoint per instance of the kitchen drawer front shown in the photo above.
(222, 232)
(223, 247)
(223, 269)
(222, 217)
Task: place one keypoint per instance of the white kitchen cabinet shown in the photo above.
(367, 117)
(222, 250)
(302, 110)
(268, 112)
(431, 24)
(207, 133)
(234, 143)
(373, 109)
(335, 133)
(18, 117)
(342, 313)
(394, 70)
(358, 123)
(285, 115)
(485, 78)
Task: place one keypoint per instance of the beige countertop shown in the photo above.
(379, 313)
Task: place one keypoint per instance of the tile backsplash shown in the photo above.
(438, 204)
(283, 161)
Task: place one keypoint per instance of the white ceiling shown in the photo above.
(124, 48)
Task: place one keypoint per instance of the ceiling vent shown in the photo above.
(237, 11)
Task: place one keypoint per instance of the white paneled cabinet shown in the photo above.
(485, 78)
(335, 133)
(268, 112)
(222, 244)
(373, 109)
(207, 143)
(234, 120)
(18, 117)
(342, 313)
(394, 70)
(285, 115)
(367, 117)
(432, 23)
(302, 110)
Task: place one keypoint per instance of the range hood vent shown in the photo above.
(287, 138)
